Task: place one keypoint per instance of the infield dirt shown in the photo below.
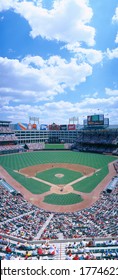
(88, 199)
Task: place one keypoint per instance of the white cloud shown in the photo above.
(115, 20)
(5, 100)
(61, 111)
(112, 53)
(68, 21)
(111, 92)
(116, 40)
(99, 102)
(7, 4)
(115, 17)
(92, 56)
(95, 94)
(40, 79)
(30, 86)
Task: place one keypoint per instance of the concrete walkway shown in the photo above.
(43, 227)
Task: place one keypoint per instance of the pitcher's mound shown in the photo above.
(59, 175)
(62, 189)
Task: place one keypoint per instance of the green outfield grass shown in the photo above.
(31, 185)
(17, 161)
(49, 175)
(54, 146)
(88, 184)
(66, 199)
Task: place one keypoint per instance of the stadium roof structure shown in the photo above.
(113, 126)
(110, 127)
(6, 122)
(8, 187)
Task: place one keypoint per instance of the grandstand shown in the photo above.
(28, 231)
(8, 139)
(96, 135)
(97, 140)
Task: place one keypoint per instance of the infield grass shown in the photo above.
(88, 184)
(66, 199)
(68, 175)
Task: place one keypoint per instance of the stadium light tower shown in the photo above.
(73, 120)
(35, 119)
(33, 126)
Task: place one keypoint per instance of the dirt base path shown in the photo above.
(32, 170)
(88, 199)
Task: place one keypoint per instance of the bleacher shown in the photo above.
(8, 139)
(35, 146)
(59, 250)
(97, 140)
(99, 250)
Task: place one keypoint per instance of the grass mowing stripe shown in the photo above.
(17, 161)
(68, 175)
(54, 146)
(66, 199)
(30, 184)
(87, 185)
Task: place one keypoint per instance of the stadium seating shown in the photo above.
(95, 228)
(102, 141)
(35, 146)
(28, 232)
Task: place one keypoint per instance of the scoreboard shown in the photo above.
(95, 120)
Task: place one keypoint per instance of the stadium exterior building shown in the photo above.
(96, 135)
(31, 136)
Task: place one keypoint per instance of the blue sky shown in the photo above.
(58, 59)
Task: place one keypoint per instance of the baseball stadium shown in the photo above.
(59, 190)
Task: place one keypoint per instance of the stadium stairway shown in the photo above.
(37, 237)
(60, 248)
(62, 251)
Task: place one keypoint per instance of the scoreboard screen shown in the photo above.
(63, 127)
(95, 120)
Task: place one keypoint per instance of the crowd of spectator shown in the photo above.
(81, 250)
(94, 148)
(24, 220)
(8, 137)
(107, 137)
(116, 166)
(11, 250)
(5, 129)
(97, 141)
(99, 220)
(18, 217)
(8, 142)
(92, 250)
(35, 146)
(13, 148)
